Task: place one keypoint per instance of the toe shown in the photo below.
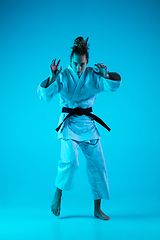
(52, 211)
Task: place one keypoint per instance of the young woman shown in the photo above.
(78, 87)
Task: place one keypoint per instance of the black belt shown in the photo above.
(80, 112)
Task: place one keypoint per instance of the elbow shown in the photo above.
(45, 98)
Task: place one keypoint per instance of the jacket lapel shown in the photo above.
(80, 82)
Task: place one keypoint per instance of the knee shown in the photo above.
(72, 163)
(75, 163)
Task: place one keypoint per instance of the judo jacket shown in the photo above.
(75, 92)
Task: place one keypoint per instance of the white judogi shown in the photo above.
(79, 131)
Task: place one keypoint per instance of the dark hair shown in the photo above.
(80, 47)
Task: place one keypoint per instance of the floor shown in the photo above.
(127, 221)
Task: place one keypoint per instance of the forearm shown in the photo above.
(113, 76)
(50, 80)
(47, 93)
(111, 82)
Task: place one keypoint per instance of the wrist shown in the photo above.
(106, 76)
(52, 79)
(47, 83)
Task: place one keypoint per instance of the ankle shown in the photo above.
(97, 204)
(97, 209)
(58, 192)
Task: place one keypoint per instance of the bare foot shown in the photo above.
(56, 204)
(99, 214)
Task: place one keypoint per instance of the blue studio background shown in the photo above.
(125, 35)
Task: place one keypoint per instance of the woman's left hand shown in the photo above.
(102, 70)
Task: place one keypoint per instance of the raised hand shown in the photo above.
(55, 72)
(54, 68)
(102, 70)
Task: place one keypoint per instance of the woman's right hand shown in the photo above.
(54, 68)
(55, 72)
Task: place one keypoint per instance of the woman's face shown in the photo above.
(78, 63)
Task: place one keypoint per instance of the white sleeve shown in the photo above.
(48, 93)
(107, 85)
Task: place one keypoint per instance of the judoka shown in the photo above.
(78, 86)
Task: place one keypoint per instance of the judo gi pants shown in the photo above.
(95, 166)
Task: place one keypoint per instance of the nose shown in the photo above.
(79, 68)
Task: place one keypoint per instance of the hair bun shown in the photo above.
(79, 42)
(80, 47)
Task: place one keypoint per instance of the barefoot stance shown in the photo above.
(101, 215)
(55, 206)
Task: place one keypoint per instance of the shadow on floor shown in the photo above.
(118, 216)
(76, 216)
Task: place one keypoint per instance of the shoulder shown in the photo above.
(64, 74)
(89, 69)
(65, 71)
(90, 72)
